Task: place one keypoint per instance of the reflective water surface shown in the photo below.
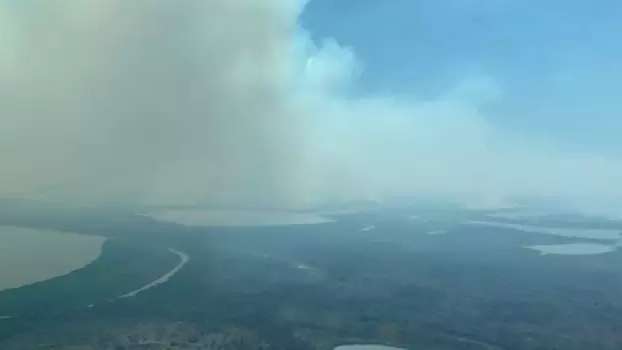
(199, 217)
(28, 255)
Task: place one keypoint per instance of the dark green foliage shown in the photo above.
(323, 285)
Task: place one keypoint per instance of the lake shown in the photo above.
(31, 255)
(607, 234)
(573, 249)
(200, 217)
(366, 347)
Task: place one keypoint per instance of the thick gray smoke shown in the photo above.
(147, 100)
(228, 102)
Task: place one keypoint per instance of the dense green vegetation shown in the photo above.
(122, 267)
(316, 286)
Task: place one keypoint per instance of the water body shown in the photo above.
(368, 228)
(436, 233)
(238, 218)
(302, 266)
(416, 218)
(605, 234)
(367, 347)
(522, 214)
(31, 255)
(573, 249)
(184, 258)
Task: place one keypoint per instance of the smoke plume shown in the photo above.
(229, 102)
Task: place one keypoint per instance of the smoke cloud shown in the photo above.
(229, 102)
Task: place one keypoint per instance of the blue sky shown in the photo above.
(557, 62)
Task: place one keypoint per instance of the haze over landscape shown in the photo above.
(310, 175)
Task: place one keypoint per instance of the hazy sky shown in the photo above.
(246, 103)
(557, 61)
